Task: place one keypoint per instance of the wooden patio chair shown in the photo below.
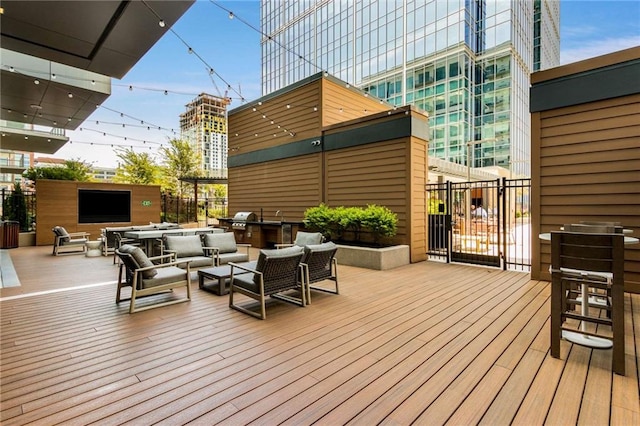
(319, 264)
(146, 278)
(582, 261)
(68, 242)
(275, 274)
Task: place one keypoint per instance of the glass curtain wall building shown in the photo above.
(465, 62)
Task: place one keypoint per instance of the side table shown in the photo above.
(94, 248)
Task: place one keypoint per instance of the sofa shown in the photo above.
(188, 248)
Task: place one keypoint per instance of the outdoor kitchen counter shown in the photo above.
(265, 234)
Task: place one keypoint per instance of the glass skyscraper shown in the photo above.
(465, 62)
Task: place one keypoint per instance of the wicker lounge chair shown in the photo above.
(276, 272)
(319, 264)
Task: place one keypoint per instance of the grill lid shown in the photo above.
(244, 217)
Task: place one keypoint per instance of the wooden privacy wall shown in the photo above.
(57, 205)
(586, 158)
(288, 185)
(347, 149)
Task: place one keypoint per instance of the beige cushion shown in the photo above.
(61, 232)
(308, 238)
(141, 259)
(184, 245)
(225, 241)
(328, 246)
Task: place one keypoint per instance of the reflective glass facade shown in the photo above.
(465, 62)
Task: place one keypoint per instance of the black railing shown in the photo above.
(484, 222)
(19, 207)
(183, 210)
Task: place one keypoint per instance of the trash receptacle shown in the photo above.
(9, 234)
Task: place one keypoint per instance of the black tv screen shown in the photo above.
(100, 206)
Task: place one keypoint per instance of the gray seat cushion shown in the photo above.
(196, 261)
(166, 275)
(233, 257)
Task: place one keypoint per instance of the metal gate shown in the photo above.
(481, 222)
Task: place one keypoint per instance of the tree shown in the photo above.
(71, 170)
(180, 160)
(15, 207)
(136, 168)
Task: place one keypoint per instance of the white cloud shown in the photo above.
(595, 48)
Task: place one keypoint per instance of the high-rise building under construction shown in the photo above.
(204, 125)
(465, 62)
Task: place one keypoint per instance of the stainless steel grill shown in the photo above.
(241, 218)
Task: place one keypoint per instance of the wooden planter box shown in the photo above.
(373, 258)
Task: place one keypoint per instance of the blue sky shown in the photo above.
(588, 28)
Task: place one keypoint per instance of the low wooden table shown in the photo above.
(221, 275)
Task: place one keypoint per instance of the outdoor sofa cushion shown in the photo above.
(141, 259)
(184, 245)
(225, 242)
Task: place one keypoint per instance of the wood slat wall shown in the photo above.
(299, 118)
(589, 169)
(57, 205)
(289, 185)
(389, 172)
(340, 104)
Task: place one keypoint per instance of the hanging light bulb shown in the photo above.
(70, 95)
(36, 81)
(93, 82)
(230, 15)
(161, 23)
(130, 88)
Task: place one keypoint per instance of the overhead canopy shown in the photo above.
(51, 49)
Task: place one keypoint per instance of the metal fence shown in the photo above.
(484, 222)
(19, 207)
(182, 210)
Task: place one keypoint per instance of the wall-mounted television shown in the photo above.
(102, 206)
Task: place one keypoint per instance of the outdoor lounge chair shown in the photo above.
(276, 272)
(319, 264)
(65, 241)
(146, 278)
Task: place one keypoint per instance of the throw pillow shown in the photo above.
(224, 241)
(62, 232)
(140, 258)
(184, 245)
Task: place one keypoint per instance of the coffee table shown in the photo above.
(221, 276)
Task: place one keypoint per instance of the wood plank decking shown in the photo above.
(428, 343)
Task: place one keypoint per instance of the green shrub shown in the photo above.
(334, 222)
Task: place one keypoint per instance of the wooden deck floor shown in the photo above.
(428, 343)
